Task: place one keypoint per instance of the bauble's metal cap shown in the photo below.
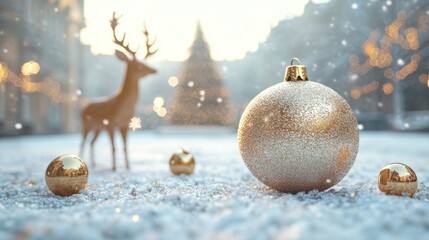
(296, 72)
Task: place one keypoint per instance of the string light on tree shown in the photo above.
(378, 51)
(173, 81)
(158, 107)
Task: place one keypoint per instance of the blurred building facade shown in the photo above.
(46, 32)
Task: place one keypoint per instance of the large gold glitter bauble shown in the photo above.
(66, 175)
(298, 135)
(397, 179)
(182, 162)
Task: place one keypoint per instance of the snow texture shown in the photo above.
(221, 200)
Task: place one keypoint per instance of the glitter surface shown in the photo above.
(294, 136)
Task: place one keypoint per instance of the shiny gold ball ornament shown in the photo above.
(66, 175)
(397, 179)
(298, 135)
(182, 162)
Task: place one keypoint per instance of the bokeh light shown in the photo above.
(388, 88)
(30, 68)
(173, 81)
(158, 101)
(3, 72)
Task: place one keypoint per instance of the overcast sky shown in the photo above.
(231, 27)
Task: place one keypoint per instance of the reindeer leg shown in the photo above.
(112, 140)
(96, 133)
(124, 132)
(82, 145)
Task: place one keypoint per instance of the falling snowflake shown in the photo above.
(135, 123)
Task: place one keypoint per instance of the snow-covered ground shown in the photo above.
(221, 200)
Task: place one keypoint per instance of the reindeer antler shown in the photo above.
(121, 43)
(148, 43)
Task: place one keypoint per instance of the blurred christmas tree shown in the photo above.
(200, 98)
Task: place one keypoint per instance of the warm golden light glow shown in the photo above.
(3, 72)
(380, 56)
(412, 37)
(388, 88)
(356, 93)
(424, 78)
(173, 81)
(48, 87)
(389, 73)
(174, 22)
(377, 48)
(370, 87)
(423, 23)
(409, 68)
(135, 218)
(158, 102)
(30, 68)
(162, 112)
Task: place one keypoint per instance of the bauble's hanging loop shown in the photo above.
(296, 72)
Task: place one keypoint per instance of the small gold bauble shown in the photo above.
(298, 135)
(66, 175)
(397, 179)
(182, 162)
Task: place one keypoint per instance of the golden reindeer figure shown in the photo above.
(116, 111)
